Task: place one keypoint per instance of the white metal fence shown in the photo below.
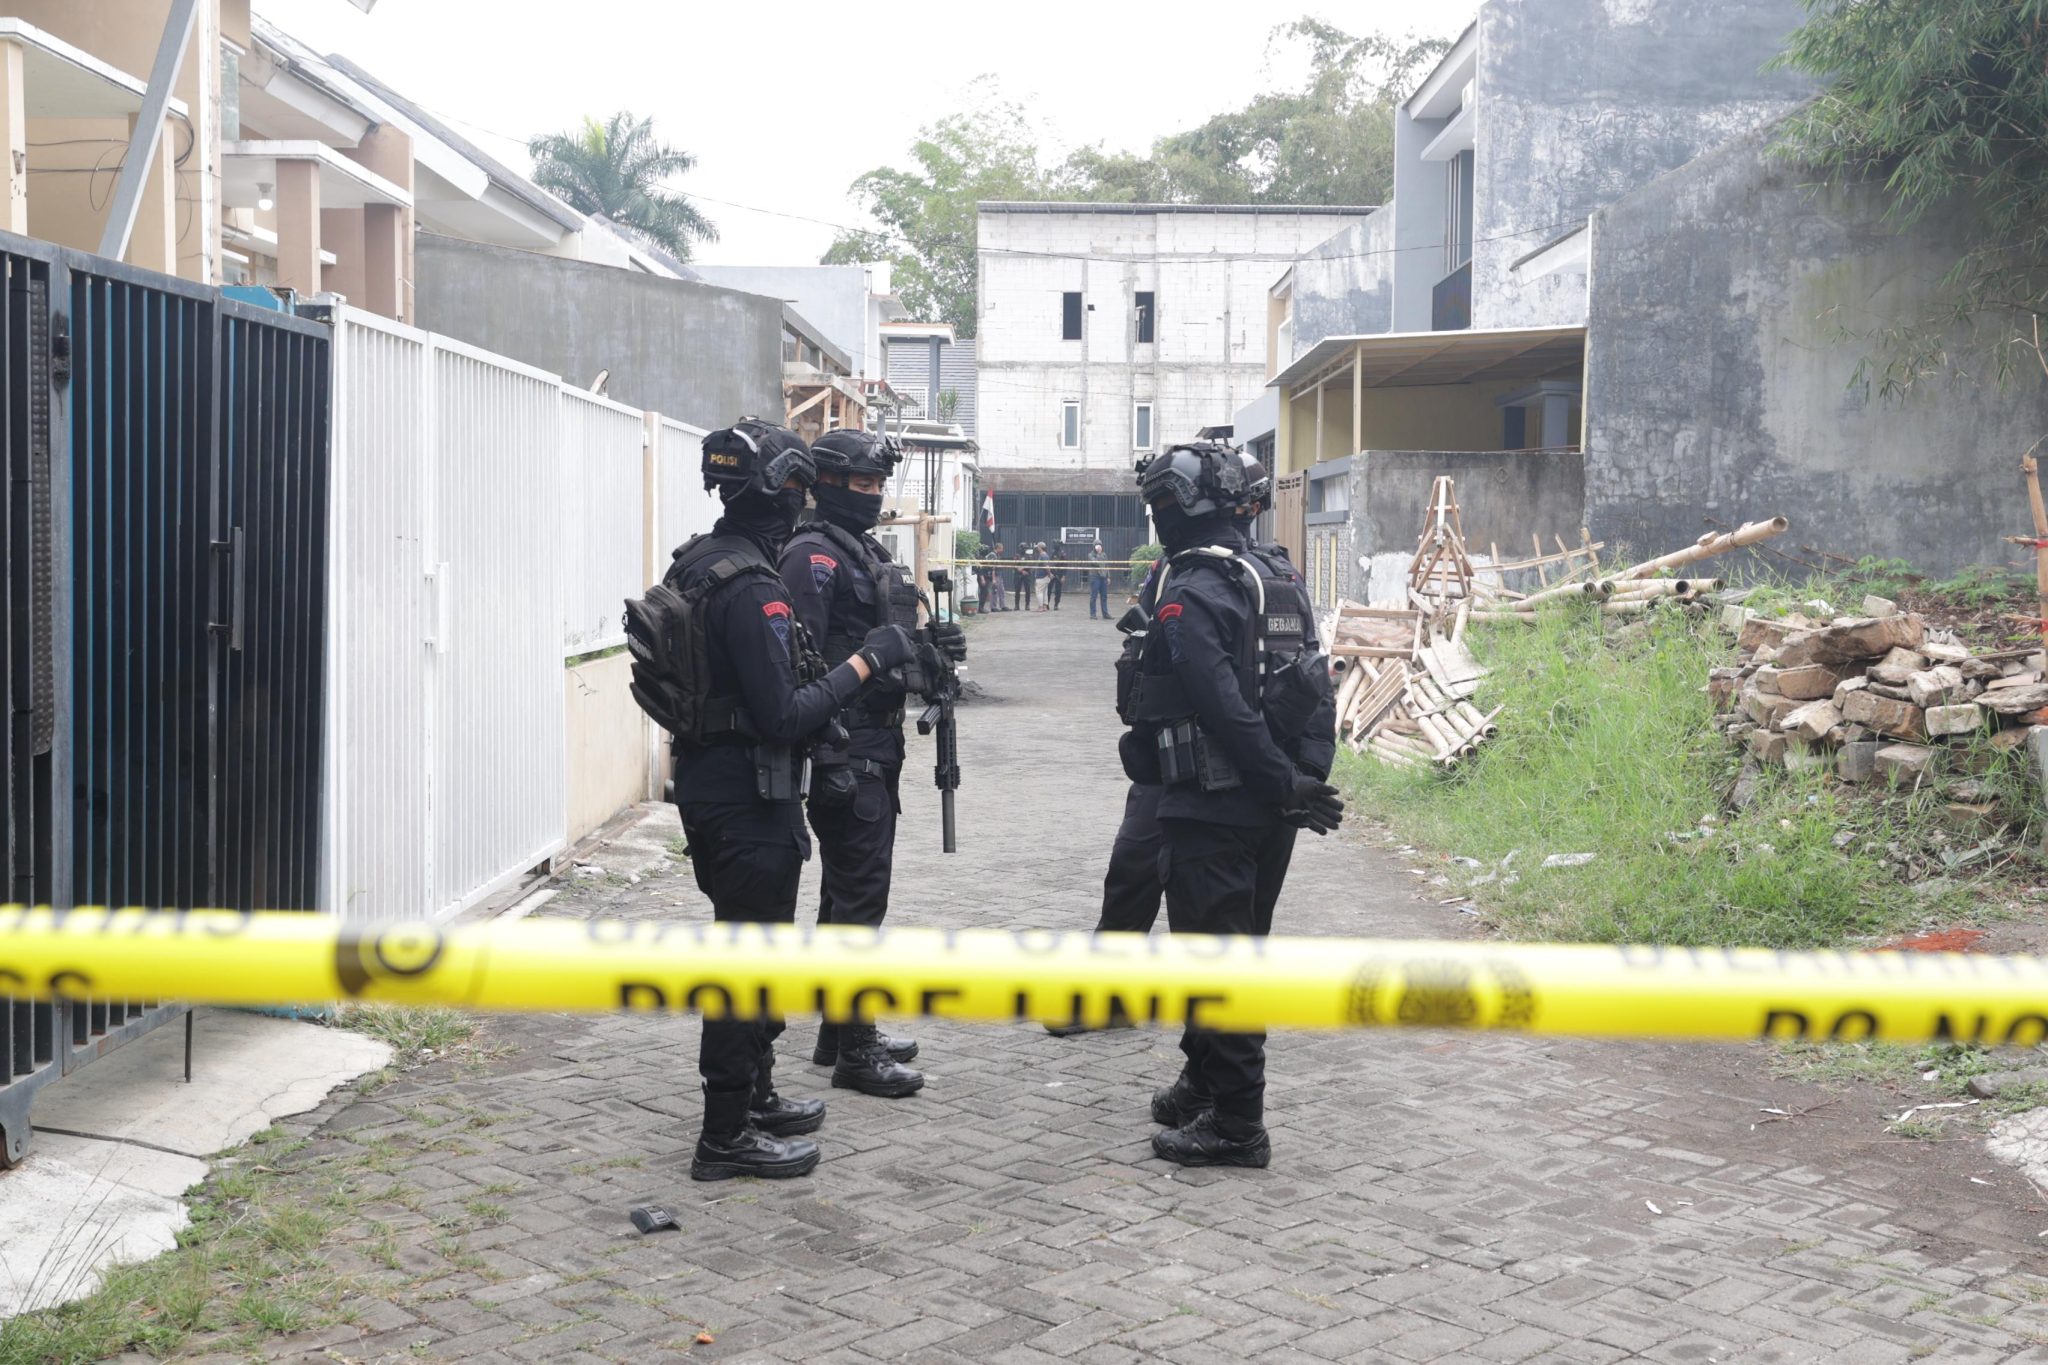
(686, 508)
(488, 522)
(603, 481)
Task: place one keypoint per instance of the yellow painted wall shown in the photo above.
(607, 743)
(1432, 417)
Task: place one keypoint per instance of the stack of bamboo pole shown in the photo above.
(1415, 710)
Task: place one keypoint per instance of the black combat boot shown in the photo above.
(729, 1146)
(775, 1115)
(1213, 1139)
(827, 1050)
(865, 1065)
(1179, 1104)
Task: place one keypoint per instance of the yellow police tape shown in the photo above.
(221, 957)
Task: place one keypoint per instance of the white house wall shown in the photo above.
(1209, 274)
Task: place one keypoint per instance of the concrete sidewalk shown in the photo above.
(1432, 1196)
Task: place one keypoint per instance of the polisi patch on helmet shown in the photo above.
(754, 456)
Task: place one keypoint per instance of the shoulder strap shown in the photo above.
(848, 543)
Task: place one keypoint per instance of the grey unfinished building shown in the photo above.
(1595, 274)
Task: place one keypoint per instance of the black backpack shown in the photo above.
(667, 635)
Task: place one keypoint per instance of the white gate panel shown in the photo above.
(687, 507)
(375, 858)
(498, 795)
(603, 505)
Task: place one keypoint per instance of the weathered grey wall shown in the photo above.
(695, 352)
(1717, 385)
(1581, 101)
(1345, 286)
(1503, 498)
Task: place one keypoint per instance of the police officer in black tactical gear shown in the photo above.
(1131, 888)
(843, 585)
(740, 779)
(1232, 716)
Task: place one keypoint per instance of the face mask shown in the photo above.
(771, 517)
(844, 507)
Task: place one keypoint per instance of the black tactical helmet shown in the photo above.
(849, 450)
(1201, 477)
(753, 456)
(1258, 484)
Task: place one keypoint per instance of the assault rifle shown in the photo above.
(939, 685)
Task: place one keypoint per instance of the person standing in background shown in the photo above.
(1056, 580)
(992, 583)
(1098, 582)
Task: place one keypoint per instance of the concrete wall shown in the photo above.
(607, 743)
(1716, 386)
(1345, 286)
(1581, 101)
(1209, 273)
(832, 298)
(699, 353)
(1503, 498)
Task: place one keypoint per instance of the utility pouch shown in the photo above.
(1291, 694)
(1187, 755)
(781, 773)
(1127, 665)
(832, 788)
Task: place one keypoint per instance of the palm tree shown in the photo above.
(616, 169)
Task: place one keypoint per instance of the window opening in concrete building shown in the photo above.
(1458, 206)
(1070, 424)
(1145, 318)
(1070, 316)
(1141, 426)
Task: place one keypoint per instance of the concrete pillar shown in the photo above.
(298, 225)
(387, 230)
(341, 235)
(154, 243)
(13, 143)
(1557, 411)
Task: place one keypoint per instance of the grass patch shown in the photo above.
(247, 1266)
(1608, 748)
(417, 1034)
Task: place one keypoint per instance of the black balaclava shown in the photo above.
(1180, 531)
(843, 507)
(767, 518)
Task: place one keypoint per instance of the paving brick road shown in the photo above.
(1432, 1197)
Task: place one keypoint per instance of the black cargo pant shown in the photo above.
(748, 858)
(857, 849)
(1131, 888)
(1225, 879)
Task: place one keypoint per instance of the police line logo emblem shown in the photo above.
(1441, 993)
(409, 950)
(822, 569)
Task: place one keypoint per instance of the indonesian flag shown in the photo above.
(988, 511)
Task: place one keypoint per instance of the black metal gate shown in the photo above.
(166, 506)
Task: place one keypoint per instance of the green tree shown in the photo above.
(1944, 103)
(927, 209)
(1329, 142)
(618, 168)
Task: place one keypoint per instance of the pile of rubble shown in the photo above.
(1875, 697)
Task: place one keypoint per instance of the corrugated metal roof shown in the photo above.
(1404, 359)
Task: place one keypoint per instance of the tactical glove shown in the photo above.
(951, 640)
(1314, 805)
(886, 648)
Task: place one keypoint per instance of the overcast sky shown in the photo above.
(784, 105)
